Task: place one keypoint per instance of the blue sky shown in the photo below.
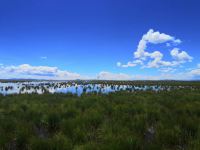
(99, 39)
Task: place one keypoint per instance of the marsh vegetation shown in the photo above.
(123, 120)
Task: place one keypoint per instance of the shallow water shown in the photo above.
(65, 87)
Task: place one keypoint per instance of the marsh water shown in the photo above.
(7, 88)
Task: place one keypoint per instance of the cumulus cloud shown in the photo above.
(180, 56)
(131, 64)
(153, 38)
(112, 76)
(27, 71)
(32, 70)
(155, 59)
(37, 72)
(157, 37)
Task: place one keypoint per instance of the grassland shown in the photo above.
(139, 120)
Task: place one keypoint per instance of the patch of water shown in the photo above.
(65, 87)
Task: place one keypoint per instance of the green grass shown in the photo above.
(166, 120)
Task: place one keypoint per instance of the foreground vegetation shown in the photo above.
(140, 120)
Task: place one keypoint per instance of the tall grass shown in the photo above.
(143, 120)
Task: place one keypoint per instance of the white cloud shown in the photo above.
(132, 64)
(166, 70)
(129, 64)
(43, 57)
(153, 38)
(155, 59)
(112, 76)
(37, 72)
(27, 71)
(195, 72)
(180, 56)
(166, 74)
(157, 37)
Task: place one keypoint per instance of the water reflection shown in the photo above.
(74, 88)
